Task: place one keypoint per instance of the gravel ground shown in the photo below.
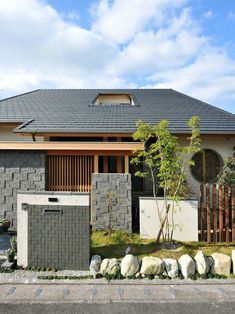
(20, 275)
(31, 276)
(27, 276)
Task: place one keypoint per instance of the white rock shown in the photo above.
(233, 260)
(222, 264)
(129, 265)
(165, 272)
(171, 267)
(110, 266)
(152, 266)
(113, 266)
(210, 261)
(186, 265)
(201, 263)
(104, 266)
(95, 264)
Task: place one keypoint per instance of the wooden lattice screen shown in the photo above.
(69, 173)
(217, 213)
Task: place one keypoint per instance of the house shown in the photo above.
(81, 140)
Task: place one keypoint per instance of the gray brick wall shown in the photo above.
(120, 218)
(59, 240)
(19, 170)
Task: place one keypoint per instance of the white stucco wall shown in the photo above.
(185, 219)
(6, 134)
(223, 145)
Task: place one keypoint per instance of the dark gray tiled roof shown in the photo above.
(70, 111)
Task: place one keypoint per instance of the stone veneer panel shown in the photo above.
(121, 216)
(19, 170)
(60, 239)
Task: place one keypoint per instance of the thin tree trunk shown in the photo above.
(153, 182)
(163, 224)
(172, 221)
(155, 192)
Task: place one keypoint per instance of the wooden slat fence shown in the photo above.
(217, 213)
(69, 173)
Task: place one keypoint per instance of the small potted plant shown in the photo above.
(13, 241)
(10, 253)
(4, 225)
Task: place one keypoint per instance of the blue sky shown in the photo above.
(220, 21)
(188, 45)
(216, 16)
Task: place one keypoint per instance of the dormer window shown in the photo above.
(113, 100)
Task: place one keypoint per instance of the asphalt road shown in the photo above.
(207, 307)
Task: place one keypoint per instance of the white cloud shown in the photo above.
(120, 20)
(72, 16)
(211, 77)
(153, 42)
(231, 15)
(208, 15)
(170, 46)
(40, 49)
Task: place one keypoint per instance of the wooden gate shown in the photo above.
(69, 173)
(217, 213)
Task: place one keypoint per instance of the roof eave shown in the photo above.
(112, 131)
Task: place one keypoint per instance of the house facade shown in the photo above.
(81, 141)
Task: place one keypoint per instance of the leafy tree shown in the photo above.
(227, 175)
(167, 163)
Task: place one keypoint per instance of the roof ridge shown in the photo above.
(203, 102)
(22, 94)
(93, 89)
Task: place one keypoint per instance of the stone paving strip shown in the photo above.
(115, 292)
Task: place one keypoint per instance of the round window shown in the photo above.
(207, 166)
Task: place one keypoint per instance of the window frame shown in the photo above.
(204, 181)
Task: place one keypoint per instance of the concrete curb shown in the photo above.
(137, 282)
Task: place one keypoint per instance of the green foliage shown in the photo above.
(10, 252)
(163, 277)
(13, 240)
(172, 158)
(208, 276)
(166, 156)
(4, 221)
(227, 175)
(52, 277)
(6, 270)
(196, 276)
(180, 276)
(40, 268)
(167, 161)
(118, 276)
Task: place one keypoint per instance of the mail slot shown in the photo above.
(52, 211)
(53, 199)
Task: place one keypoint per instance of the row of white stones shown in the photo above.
(130, 265)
